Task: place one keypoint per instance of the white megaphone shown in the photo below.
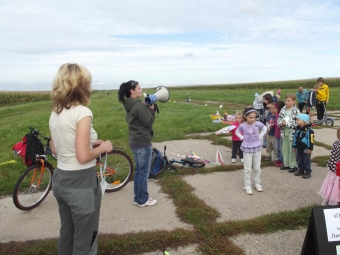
(161, 94)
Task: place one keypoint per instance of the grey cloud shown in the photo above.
(188, 54)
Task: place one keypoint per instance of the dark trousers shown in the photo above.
(300, 106)
(320, 109)
(236, 147)
(303, 161)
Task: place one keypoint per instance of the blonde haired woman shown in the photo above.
(75, 183)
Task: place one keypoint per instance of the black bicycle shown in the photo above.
(187, 161)
(35, 183)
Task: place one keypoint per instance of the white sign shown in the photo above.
(332, 217)
(337, 250)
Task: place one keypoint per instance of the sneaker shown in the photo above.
(324, 203)
(293, 170)
(268, 159)
(242, 161)
(150, 202)
(249, 191)
(298, 173)
(306, 176)
(233, 160)
(284, 167)
(278, 163)
(259, 188)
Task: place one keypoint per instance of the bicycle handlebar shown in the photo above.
(36, 131)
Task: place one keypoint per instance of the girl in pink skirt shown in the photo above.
(330, 189)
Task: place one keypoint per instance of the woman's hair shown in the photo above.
(71, 86)
(338, 133)
(268, 97)
(316, 86)
(290, 95)
(125, 90)
(279, 104)
(247, 111)
(300, 89)
(319, 79)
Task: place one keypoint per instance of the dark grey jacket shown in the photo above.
(311, 101)
(140, 119)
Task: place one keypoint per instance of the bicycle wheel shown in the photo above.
(197, 164)
(32, 187)
(118, 171)
(329, 122)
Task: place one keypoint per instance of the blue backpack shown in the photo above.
(157, 163)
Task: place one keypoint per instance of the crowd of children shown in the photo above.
(286, 133)
(288, 137)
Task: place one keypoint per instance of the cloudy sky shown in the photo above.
(168, 42)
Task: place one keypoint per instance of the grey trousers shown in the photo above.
(271, 152)
(252, 160)
(78, 194)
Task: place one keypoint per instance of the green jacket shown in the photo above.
(140, 119)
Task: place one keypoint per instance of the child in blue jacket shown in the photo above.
(303, 145)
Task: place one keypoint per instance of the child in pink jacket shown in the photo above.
(278, 142)
(235, 139)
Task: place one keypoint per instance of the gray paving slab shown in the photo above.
(333, 112)
(336, 123)
(326, 135)
(190, 249)
(118, 215)
(282, 191)
(283, 242)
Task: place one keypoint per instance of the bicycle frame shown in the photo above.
(35, 183)
(41, 173)
(184, 162)
(108, 171)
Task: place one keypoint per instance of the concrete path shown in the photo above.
(222, 190)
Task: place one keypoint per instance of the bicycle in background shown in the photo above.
(187, 161)
(35, 182)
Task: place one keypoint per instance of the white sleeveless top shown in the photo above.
(63, 132)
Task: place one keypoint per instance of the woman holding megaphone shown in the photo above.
(140, 118)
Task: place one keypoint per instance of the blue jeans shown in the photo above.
(264, 144)
(303, 161)
(278, 148)
(143, 161)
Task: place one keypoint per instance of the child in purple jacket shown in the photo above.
(251, 132)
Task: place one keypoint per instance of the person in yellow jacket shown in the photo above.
(322, 98)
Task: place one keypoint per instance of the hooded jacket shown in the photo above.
(323, 93)
(311, 101)
(140, 119)
(304, 138)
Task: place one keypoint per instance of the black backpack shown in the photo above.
(33, 147)
(157, 163)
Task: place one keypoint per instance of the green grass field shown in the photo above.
(176, 119)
